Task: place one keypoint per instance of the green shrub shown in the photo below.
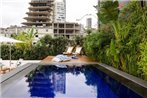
(95, 45)
(143, 60)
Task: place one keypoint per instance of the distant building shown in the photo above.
(60, 11)
(9, 31)
(40, 13)
(45, 12)
(67, 29)
(47, 17)
(89, 23)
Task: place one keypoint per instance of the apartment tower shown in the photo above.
(40, 13)
(60, 11)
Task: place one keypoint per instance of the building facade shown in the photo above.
(47, 17)
(66, 29)
(40, 13)
(89, 23)
(45, 12)
(60, 11)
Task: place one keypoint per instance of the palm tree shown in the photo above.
(27, 38)
(109, 13)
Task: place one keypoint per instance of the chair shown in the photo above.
(77, 50)
(19, 62)
(69, 50)
(3, 69)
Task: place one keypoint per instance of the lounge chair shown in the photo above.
(15, 65)
(3, 69)
(69, 50)
(77, 50)
(19, 62)
(6, 68)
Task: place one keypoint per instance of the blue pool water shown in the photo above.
(79, 82)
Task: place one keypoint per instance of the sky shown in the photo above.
(12, 12)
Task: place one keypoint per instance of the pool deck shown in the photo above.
(82, 60)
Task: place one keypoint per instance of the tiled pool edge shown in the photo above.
(8, 75)
(137, 85)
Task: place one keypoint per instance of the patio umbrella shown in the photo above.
(10, 41)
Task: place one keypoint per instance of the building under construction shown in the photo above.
(40, 13)
(49, 17)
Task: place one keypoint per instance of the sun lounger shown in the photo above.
(77, 50)
(69, 50)
(19, 62)
(4, 69)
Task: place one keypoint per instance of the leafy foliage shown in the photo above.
(27, 38)
(108, 11)
(46, 46)
(79, 40)
(143, 60)
(125, 48)
(95, 45)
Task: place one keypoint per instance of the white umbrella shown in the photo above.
(8, 40)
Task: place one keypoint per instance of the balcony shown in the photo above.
(37, 23)
(38, 13)
(39, 8)
(37, 18)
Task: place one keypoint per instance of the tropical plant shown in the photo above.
(46, 40)
(79, 40)
(108, 11)
(143, 60)
(59, 45)
(95, 45)
(128, 31)
(27, 38)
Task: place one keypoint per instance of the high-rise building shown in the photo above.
(89, 23)
(40, 13)
(60, 11)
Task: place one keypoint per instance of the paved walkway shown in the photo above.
(6, 64)
(14, 62)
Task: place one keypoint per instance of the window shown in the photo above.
(36, 35)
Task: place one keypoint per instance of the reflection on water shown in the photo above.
(81, 82)
(59, 82)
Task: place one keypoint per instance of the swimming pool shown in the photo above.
(53, 82)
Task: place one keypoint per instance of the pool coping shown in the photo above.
(134, 83)
(13, 72)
